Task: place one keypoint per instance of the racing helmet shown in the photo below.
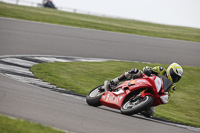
(174, 72)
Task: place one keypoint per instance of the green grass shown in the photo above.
(9, 125)
(81, 77)
(100, 23)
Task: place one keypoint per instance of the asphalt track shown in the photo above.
(21, 37)
(69, 112)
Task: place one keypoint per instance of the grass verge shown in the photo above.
(100, 23)
(81, 77)
(9, 125)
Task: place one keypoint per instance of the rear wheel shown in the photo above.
(140, 104)
(94, 96)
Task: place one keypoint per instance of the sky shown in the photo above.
(170, 12)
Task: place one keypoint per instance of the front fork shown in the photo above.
(141, 94)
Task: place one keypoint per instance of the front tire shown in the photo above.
(94, 96)
(129, 108)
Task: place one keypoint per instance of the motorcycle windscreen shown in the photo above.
(166, 83)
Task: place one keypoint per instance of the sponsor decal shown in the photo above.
(140, 81)
(107, 97)
(120, 98)
(180, 72)
(132, 82)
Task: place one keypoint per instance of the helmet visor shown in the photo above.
(174, 76)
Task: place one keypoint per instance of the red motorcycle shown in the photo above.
(132, 96)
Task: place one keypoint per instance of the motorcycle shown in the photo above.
(132, 96)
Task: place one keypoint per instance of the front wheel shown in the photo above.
(94, 96)
(133, 107)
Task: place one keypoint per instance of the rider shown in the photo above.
(48, 3)
(173, 73)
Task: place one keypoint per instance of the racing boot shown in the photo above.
(107, 85)
(148, 112)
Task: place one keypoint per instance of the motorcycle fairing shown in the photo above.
(164, 98)
(116, 98)
(160, 97)
(158, 83)
(112, 100)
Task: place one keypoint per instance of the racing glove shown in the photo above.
(147, 71)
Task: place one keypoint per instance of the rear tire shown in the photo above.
(94, 96)
(129, 108)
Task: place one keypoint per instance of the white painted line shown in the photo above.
(19, 61)
(91, 60)
(15, 69)
(50, 59)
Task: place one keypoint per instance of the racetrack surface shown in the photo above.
(22, 37)
(69, 112)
